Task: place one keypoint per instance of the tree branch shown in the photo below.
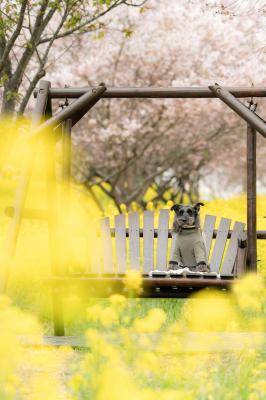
(77, 28)
(41, 72)
(14, 36)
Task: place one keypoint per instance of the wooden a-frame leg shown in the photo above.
(251, 200)
(65, 193)
(22, 190)
(58, 312)
(54, 233)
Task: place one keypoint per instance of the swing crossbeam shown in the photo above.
(156, 92)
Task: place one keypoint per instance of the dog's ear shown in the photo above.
(175, 207)
(197, 206)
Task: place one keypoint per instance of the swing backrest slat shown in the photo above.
(208, 229)
(108, 261)
(148, 241)
(162, 241)
(120, 243)
(219, 245)
(230, 256)
(134, 241)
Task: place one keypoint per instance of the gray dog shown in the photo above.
(188, 247)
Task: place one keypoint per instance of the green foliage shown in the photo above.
(73, 20)
(4, 79)
(100, 35)
(12, 95)
(128, 32)
(103, 2)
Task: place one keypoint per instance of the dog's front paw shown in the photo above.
(202, 267)
(174, 265)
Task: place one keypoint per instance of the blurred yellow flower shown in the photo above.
(133, 281)
(123, 208)
(134, 206)
(108, 316)
(147, 362)
(210, 311)
(118, 301)
(172, 394)
(4, 302)
(150, 206)
(116, 384)
(250, 292)
(94, 312)
(169, 204)
(152, 322)
(176, 327)
(262, 366)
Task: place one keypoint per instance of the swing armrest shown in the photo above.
(240, 264)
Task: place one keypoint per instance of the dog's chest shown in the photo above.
(186, 242)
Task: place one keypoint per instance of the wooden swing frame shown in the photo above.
(63, 121)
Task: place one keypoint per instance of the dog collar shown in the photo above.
(188, 227)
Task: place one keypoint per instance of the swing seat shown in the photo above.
(226, 255)
(223, 264)
(225, 248)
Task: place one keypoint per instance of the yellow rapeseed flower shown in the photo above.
(150, 206)
(118, 301)
(108, 317)
(172, 394)
(152, 322)
(4, 302)
(133, 281)
(169, 204)
(147, 362)
(94, 312)
(250, 292)
(134, 206)
(116, 383)
(210, 311)
(123, 208)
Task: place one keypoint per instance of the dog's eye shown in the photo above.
(181, 212)
(190, 212)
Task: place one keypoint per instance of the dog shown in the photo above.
(188, 247)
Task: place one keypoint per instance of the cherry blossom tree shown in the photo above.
(127, 147)
(28, 33)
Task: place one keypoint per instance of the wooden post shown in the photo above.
(54, 233)
(66, 191)
(21, 193)
(57, 231)
(251, 200)
(66, 161)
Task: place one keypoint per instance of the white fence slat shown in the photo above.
(219, 245)
(148, 241)
(230, 256)
(120, 243)
(162, 241)
(94, 254)
(108, 260)
(208, 228)
(173, 246)
(134, 242)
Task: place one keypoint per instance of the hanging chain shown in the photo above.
(252, 105)
(64, 104)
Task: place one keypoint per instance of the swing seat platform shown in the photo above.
(226, 252)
